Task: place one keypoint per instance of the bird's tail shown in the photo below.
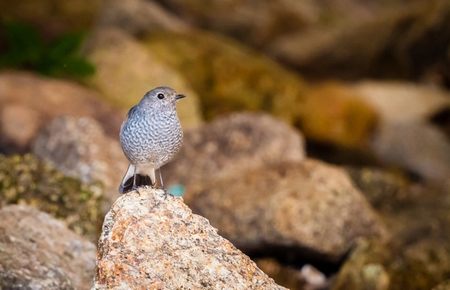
(134, 178)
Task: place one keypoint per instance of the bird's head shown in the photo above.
(161, 97)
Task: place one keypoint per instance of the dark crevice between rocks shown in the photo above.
(442, 121)
(296, 257)
(340, 155)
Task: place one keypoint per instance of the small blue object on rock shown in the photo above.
(176, 190)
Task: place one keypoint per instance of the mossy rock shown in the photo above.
(394, 267)
(229, 77)
(27, 180)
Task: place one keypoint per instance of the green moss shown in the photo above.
(26, 49)
(229, 77)
(27, 180)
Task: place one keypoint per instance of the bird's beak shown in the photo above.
(180, 96)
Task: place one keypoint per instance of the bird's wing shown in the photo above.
(132, 111)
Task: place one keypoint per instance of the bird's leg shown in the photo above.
(166, 193)
(134, 179)
(160, 178)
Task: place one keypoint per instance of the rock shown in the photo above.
(443, 286)
(391, 267)
(308, 207)
(255, 24)
(418, 254)
(227, 76)
(154, 241)
(415, 146)
(27, 180)
(39, 99)
(51, 16)
(379, 186)
(39, 252)
(139, 17)
(349, 122)
(18, 126)
(402, 101)
(79, 148)
(234, 143)
(126, 70)
(402, 43)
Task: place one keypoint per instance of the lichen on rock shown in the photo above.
(27, 180)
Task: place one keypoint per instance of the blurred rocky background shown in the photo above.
(317, 135)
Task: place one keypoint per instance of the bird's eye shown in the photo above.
(160, 96)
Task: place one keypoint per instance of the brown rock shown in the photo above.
(403, 42)
(126, 70)
(403, 101)
(153, 241)
(234, 143)
(39, 252)
(18, 126)
(43, 98)
(53, 17)
(443, 286)
(416, 146)
(308, 206)
(333, 113)
(79, 148)
(138, 17)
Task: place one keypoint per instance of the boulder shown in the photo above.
(408, 39)
(403, 101)
(52, 17)
(138, 17)
(39, 252)
(30, 101)
(309, 208)
(153, 241)
(79, 148)
(232, 144)
(418, 255)
(126, 70)
(415, 146)
(334, 114)
(28, 180)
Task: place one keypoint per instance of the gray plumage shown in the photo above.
(150, 136)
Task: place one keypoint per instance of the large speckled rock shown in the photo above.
(39, 252)
(28, 180)
(234, 143)
(153, 241)
(308, 206)
(35, 100)
(79, 148)
(416, 146)
(126, 70)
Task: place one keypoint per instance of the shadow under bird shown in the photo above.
(150, 137)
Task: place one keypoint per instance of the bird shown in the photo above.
(150, 137)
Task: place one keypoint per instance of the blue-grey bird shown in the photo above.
(150, 137)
